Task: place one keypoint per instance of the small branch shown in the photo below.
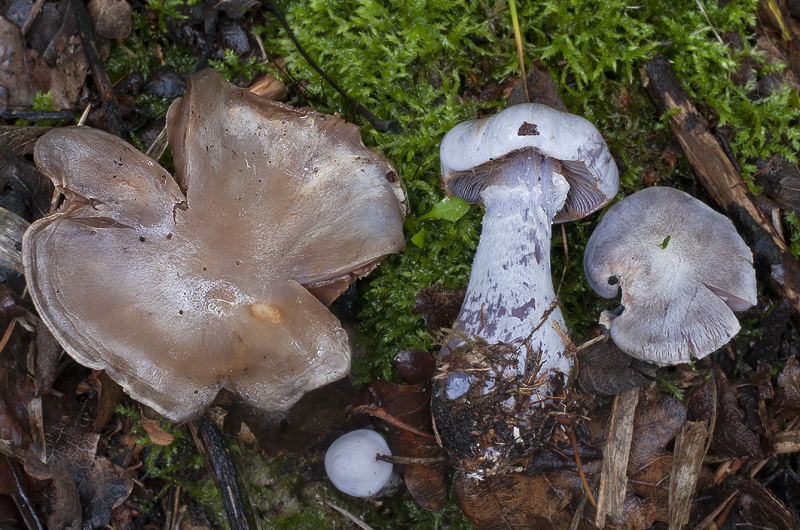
(101, 80)
(578, 463)
(381, 125)
(372, 410)
(406, 460)
(216, 456)
(35, 115)
(356, 520)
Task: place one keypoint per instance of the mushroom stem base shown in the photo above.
(494, 426)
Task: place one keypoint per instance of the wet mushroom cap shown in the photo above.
(682, 268)
(472, 151)
(181, 287)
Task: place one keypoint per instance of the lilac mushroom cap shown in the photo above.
(352, 466)
(529, 165)
(472, 152)
(217, 277)
(682, 268)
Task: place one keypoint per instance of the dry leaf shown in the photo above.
(155, 432)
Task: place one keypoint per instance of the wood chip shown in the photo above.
(686, 467)
(613, 478)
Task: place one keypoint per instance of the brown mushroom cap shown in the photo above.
(178, 290)
(682, 269)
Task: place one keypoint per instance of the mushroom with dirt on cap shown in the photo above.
(219, 276)
(682, 268)
(530, 165)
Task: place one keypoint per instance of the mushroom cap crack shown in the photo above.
(179, 287)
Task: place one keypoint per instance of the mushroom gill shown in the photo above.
(179, 287)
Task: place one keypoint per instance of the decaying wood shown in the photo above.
(721, 180)
(87, 34)
(690, 447)
(613, 477)
(12, 227)
(218, 461)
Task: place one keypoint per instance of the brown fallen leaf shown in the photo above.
(410, 405)
(24, 73)
(789, 384)
(154, 431)
(606, 370)
(731, 435)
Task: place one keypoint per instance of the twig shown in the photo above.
(710, 518)
(34, 115)
(98, 71)
(381, 125)
(217, 458)
(586, 487)
(512, 6)
(358, 522)
(84, 115)
(405, 460)
(31, 16)
(709, 21)
(372, 410)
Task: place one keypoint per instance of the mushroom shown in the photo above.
(530, 165)
(216, 278)
(683, 271)
(352, 465)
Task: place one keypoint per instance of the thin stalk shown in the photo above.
(512, 6)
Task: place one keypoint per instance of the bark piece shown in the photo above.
(614, 480)
(686, 466)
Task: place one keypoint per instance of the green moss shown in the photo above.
(176, 464)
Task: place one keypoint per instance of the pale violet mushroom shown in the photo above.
(529, 165)
(352, 465)
(683, 271)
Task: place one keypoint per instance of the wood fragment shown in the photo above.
(215, 454)
(721, 180)
(613, 477)
(87, 34)
(687, 464)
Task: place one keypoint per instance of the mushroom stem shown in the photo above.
(510, 297)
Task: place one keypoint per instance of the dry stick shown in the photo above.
(34, 115)
(32, 15)
(373, 410)
(686, 467)
(613, 478)
(721, 180)
(217, 458)
(98, 71)
(578, 463)
(381, 125)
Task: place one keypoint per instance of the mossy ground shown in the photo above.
(429, 64)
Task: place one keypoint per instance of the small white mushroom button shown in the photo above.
(353, 468)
